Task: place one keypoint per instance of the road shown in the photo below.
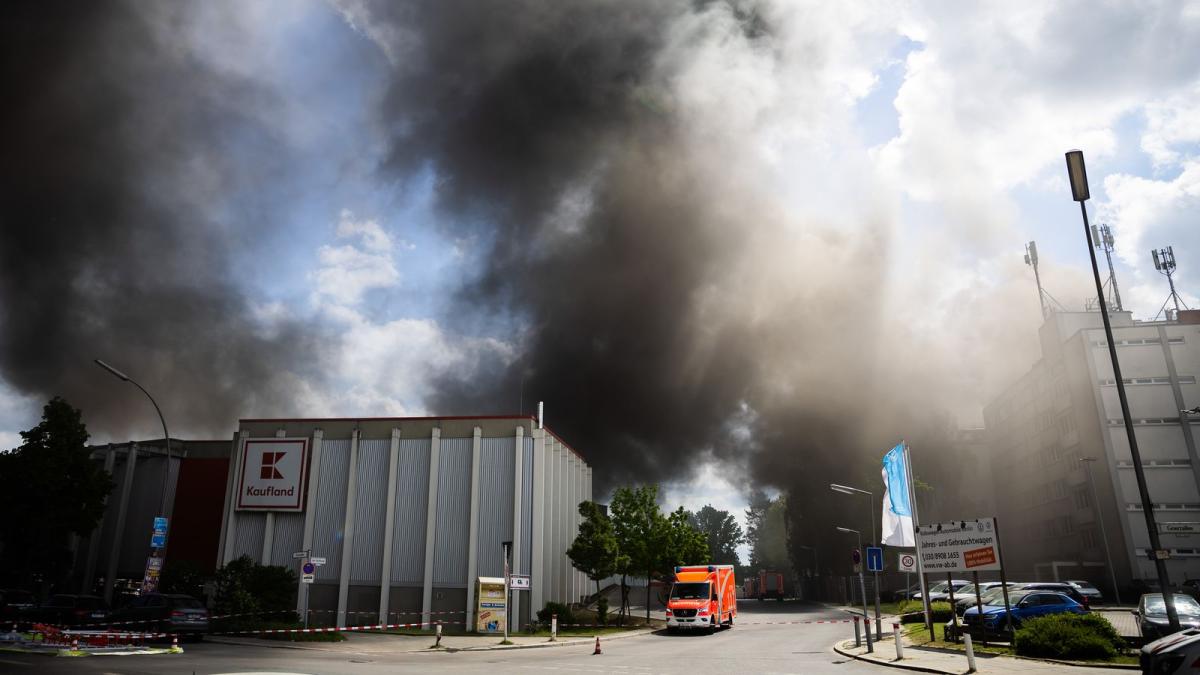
(755, 645)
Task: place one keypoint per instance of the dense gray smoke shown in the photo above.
(119, 152)
(672, 310)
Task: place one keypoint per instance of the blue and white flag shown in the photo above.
(897, 509)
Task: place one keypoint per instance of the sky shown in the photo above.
(935, 130)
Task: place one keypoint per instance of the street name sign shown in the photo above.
(874, 559)
(318, 561)
(300, 554)
(1179, 528)
(519, 582)
(959, 546)
(907, 562)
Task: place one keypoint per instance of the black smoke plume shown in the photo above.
(118, 146)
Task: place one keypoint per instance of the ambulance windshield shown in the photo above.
(690, 591)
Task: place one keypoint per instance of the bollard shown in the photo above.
(899, 643)
(438, 635)
(553, 627)
(857, 633)
(970, 652)
(75, 644)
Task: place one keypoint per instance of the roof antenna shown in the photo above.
(1031, 259)
(541, 414)
(1102, 236)
(1164, 262)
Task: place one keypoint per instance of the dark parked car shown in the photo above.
(941, 591)
(1058, 587)
(1087, 590)
(166, 613)
(14, 604)
(71, 610)
(988, 590)
(1025, 605)
(1152, 614)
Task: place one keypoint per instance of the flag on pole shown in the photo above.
(897, 510)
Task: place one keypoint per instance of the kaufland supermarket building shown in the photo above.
(406, 512)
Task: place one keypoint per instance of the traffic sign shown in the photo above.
(908, 562)
(856, 556)
(874, 558)
(158, 538)
(317, 561)
(308, 569)
(519, 582)
(299, 555)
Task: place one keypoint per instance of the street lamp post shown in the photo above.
(162, 505)
(1112, 572)
(847, 490)
(862, 583)
(1077, 173)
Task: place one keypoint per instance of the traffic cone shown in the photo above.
(597, 646)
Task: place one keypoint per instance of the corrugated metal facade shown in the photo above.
(496, 466)
(370, 510)
(330, 516)
(408, 529)
(289, 538)
(559, 476)
(452, 528)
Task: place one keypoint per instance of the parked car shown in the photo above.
(1058, 587)
(71, 610)
(1087, 590)
(1152, 614)
(1025, 604)
(988, 591)
(941, 591)
(1192, 587)
(14, 604)
(164, 612)
(1172, 654)
(906, 593)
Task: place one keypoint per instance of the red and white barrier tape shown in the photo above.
(379, 626)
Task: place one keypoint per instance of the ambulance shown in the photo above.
(703, 596)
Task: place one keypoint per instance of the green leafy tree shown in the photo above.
(721, 532)
(766, 521)
(182, 576)
(52, 489)
(594, 551)
(245, 587)
(637, 525)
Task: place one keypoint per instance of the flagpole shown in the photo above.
(916, 520)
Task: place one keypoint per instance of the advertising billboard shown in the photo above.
(271, 477)
(959, 546)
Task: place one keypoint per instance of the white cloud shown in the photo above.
(347, 272)
(1170, 122)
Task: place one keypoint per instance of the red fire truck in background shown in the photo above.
(703, 596)
(770, 585)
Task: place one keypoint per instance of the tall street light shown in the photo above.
(1077, 172)
(862, 583)
(162, 505)
(847, 490)
(1112, 571)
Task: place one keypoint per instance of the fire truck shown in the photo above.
(770, 585)
(703, 596)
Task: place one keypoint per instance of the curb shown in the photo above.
(892, 664)
(1057, 662)
(558, 643)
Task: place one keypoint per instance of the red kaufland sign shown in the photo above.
(272, 474)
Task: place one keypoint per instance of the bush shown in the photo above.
(913, 611)
(1068, 636)
(602, 610)
(245, 587)
(565, 615)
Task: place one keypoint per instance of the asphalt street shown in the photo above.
(760, 643)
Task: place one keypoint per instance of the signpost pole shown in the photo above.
(1003, 583)
(978, 603)
(506, 591)
(953, 614)
(916, 518)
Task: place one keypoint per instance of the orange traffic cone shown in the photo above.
(597, 646)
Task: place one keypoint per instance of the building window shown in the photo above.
(1066, 425)
(1088, 538)
(1066, 524)
(1083, 498)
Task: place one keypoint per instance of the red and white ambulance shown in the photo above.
(703, 596)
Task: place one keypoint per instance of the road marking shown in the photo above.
(15, 663)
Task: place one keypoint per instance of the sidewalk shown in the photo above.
(936, 661)
(377, 643)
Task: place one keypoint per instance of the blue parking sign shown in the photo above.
(874, 559)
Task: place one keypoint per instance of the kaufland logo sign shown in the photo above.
(272, 474)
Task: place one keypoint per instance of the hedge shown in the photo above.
(912, 611)
(1068, 636)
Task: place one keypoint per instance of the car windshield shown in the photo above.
(1184, 604)
(969, 588)
(998, 599)
(1084, 585)
(938, 588)
(690, 591)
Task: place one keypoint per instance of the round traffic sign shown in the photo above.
(856, 556)
(309, 568)
(908, 560)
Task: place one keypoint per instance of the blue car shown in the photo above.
(1025, 605)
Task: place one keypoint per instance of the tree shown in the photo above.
(767, 532)
(722, 534)
(637, 525)
(52, 489)
(245, 587)
(594, 551)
